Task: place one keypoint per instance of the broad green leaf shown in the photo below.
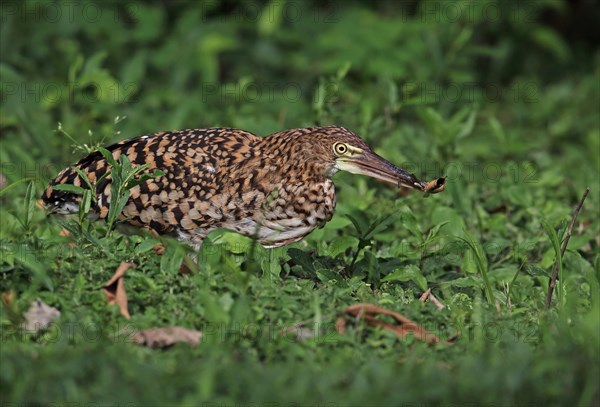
(408, 273)
(434, 231)
(359, 224)
(467, 282)
(146, 245)
(172, 257)
(453, 224)
(301, 258)
(410, 223)
(326, 275)
(467, 127)
(341, 244)
(380, 224)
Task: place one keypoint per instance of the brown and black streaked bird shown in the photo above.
(276, 189)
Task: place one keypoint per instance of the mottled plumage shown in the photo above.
(276, 189)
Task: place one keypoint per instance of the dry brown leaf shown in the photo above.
(403, 326)
(435, 186)
(167, 336)
(39, 316)
(114, 289)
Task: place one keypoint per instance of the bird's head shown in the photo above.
(336, 148)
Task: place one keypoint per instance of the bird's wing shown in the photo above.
(189, 159)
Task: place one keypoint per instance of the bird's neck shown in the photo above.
(292, 158)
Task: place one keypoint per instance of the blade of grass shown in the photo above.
(482, 265)
(29, 204)
(553, 236)
(69, 188)
(558, 264)
(14, 184)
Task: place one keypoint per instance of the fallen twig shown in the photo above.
(564, 248)
(402, 327)
(437, 302)
(369, 313)
(427, 295)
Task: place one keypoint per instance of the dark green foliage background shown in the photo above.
(502, 97)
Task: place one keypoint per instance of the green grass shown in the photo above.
(519, 143)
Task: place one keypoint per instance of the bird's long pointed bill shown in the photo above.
(372, 165)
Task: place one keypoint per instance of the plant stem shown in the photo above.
(564, 248)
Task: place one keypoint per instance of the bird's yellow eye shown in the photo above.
(340, 148)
